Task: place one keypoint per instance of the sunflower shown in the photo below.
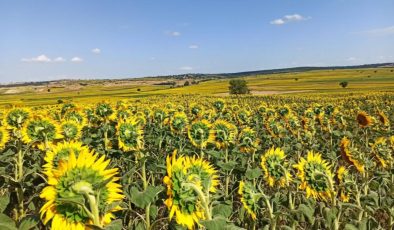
(70, 130)
(104, 111)
(189, 182)
(343, 177)
(224, 133)
(382, 152)
(61, 152)
(130, 135)
(200, 133)
(316, 177)
(219, 105)
(197, 110)
(349, 155)
(243, 116)
(274, 167)
(15, 118)
(383, 118)
(40, 131)
(4, 137)
(363, 119)
(178, 122)
(249, 198)
(248, 141)
(81, 191)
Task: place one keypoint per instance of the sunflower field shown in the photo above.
(198, 162)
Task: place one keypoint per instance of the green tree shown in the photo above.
(344, 84)
(238, 86)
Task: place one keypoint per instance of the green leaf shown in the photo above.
(308, 212)
(253, 173)
(114, 225)
(6, 223)
(217, 223)
(228, 166)
(222, 210)
(153, 211)
(4, 201)
(28, 222)
(142, 199)
(350, 227)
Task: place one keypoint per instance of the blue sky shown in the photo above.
(54, 39)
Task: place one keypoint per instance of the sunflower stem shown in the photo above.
(19, 178)
(145, 184)
(94, 209)
(203, 198)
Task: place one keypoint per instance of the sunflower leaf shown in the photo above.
(253, 173)
(142, 199)
(217, 223)
(4, 201)
(6, 223)
(28, 222)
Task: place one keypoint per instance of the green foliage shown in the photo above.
(238, 86)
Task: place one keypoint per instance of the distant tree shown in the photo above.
(296, 79)
(60, 101)
(49, 90)
(238, 86)
(138, 89)
(344, 84)
(187, 83)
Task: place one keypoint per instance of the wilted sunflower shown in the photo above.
(80, 192)
(130, 135)
(70, 130)
(343, 177)
(40, 131)
(4, 137)
(274, 166)
(363, 119)
(350, 156)
(316, 177)
(187, 180)
(248, 141)
(382, 152)
(383, 118)
(16, 117)
(178, 122)
(200, 133)
(249, 198)
(224, 133)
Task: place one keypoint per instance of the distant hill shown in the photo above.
(205, 77)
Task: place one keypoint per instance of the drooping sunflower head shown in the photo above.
(316, 177)
(243, 116)
(274, 166)
(363, 119)
(249, 198)
(186, 177)
(383, 118)
(351, 156)
(70, 130)
(4, 137)
(104, 110)
(197, 110)
(81, 191)
(200, 133)
(17, 117)
(344, 180)
(179, 122)
(248, 141)
(225, 133)
(40, 130)
(130, 135)
(382, 152)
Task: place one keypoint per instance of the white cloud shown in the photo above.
(76, 59)
(289, 18)
(186, 68)
(40, 58)
(96, 51)
(380, 31)
(59, 59)
(173, 33)
(193, 46)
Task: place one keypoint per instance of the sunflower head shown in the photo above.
(248, 141)
(197, 110)
(178, 122)
(130, 135)
(17, 117)
(80, 192)
(249, 198)
(40, 130)
(351, 155)
(382, 152)
(70, 130)
(219, 105)
(316, 177)
(224, 133)
(383, 118)
(363, 119)
(274, 167)
(344, 179)
(187, 178)
(200, 133)
(284, 111)
(243, 116)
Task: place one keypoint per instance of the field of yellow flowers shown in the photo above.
(199, 162)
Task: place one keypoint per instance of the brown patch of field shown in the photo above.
(267, 92)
